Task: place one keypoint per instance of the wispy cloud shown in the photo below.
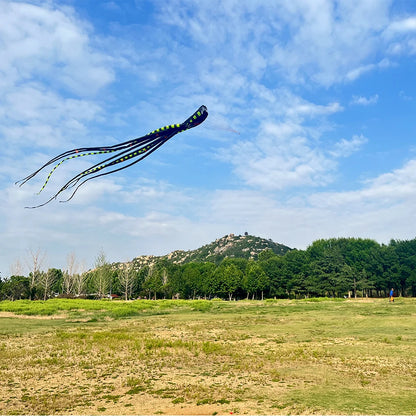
(323, 46)
(358, 71)
(324, 42)
(50, 43)
(400, 26)
(375, 209)
(360, 100)
(50, 71)
(345, 148)
(387, 190)
(401, 36)
(278, 72)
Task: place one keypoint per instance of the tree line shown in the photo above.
(337, 267)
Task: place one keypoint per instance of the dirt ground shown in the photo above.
(73, 372)
(326, 358)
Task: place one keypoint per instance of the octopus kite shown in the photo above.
(130, 152)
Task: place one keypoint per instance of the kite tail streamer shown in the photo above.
(136, 150)
(168, 131)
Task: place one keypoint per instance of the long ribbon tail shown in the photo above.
(87, 151)
(119, 158)
(142, 142)
(115, 170)
(132, 149)
(166, 133)
(99, 166)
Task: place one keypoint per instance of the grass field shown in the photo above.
(208, 357)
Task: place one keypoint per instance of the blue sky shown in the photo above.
(311, 128)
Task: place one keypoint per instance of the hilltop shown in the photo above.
(234, 246)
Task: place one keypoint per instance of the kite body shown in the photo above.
(127, 154)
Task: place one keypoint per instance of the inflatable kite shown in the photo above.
(130, 152)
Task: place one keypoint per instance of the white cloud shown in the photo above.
(47, 62)
(283, 157)
(356, 72)
(302, 109)
(330, 39)
(288, 153)
(401, 26)
(360, 100)
(49, 43)
(388, 189)
(35, 114)
(382, 209)
(323, 42)
(401, 36)
(253, 64)
(319, 41)
(345, 148)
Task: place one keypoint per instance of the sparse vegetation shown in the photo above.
(330, 356)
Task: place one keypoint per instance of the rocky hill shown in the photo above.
(235, 246)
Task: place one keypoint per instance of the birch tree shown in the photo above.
(16, 269)
(102, 275)
(35, 261)
(80, 279)
(126, 279)
(68, 281)
(47, 280)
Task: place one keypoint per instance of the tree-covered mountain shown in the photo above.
(230, 246)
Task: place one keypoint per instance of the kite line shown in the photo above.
(132, 151)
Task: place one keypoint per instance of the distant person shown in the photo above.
(391, 295)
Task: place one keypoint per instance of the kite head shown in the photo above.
(197, 118)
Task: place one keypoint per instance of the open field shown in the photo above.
(208, 357)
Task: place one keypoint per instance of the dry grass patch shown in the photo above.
(241, 357)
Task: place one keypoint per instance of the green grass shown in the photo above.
(317, 356)
(100, 309)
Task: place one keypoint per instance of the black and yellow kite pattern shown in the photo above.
(129, 153)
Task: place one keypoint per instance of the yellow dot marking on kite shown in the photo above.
(69, 158)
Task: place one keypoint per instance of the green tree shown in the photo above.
(231, 279)
(208, 279)
(14, 288)
(163, 270)
(296, 268)
(263, 282)
(274, 267)
(345, 281)
(266, 255)
(255, 280)
(172, 285)
(141, 276)
(364, 284)
(153, 283)
(327, 272)
(406, 256)
(191, 280)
